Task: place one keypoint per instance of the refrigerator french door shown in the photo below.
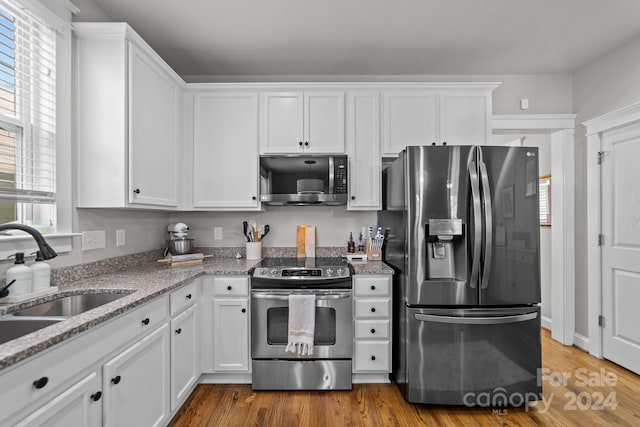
(463, 236)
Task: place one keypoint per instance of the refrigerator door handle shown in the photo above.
(477, 223)
(497, 320)
(488, 225)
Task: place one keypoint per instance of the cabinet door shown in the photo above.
(281, 121)
(185, 366)
(465, 117)
(408, 119)
(364, 151)
(230, 334)
(225, 152)
(153, 132)
(78, 406)
(136, 383)
(324, 122)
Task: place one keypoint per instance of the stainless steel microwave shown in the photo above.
(303, 180)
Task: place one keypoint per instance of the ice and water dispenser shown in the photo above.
(446, 256)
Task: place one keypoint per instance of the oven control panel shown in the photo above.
(299, 273)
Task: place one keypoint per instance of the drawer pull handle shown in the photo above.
(373, 309)
(373, 287)
(145, 321)
(373, 358)
(179, 331)
(40, 382)
(96, 396)
(229, 288)
(188, 296)
(373, 331)
(244, 310)
(116, 380)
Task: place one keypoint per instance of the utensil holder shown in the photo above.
(254, 250)
(372, 254)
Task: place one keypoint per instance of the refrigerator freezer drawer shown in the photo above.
(458, 354)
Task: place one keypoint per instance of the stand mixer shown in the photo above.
(178, 243)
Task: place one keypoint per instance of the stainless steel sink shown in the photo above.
(12, 328)
(69, 306)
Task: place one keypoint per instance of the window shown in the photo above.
(545, 200)
(27, 117)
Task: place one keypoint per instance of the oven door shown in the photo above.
(333, 335)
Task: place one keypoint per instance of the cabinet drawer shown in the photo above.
(183, 297)
(372, 308)
(372, 329)
(372, 356)
(371, 286)
(230, 286)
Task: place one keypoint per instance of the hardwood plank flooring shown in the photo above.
(579, 390)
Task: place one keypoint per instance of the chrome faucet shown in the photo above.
(45, 250)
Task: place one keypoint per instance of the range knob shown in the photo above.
(340, 271)
(274, 272)
(263, 271)
(329, 271)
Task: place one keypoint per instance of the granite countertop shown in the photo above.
(144, 283)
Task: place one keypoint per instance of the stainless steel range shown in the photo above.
(273, 281)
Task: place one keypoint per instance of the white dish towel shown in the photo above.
(302, 324)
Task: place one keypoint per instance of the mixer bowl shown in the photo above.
(180, 246)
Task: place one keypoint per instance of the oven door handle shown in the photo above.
(285, 297)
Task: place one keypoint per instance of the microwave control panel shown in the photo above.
(340, 175)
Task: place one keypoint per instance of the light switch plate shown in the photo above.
(93, 240)
(217, 233)
(120, 238)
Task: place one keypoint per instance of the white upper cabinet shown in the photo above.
(302, 122)
(225, 150)
(363, 142)
(408, 119)
(458, 114)
(128, 120)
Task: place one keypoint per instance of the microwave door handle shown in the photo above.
(331, 174)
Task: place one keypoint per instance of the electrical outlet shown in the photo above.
(217, 233)
(120, 237)
(93, 240)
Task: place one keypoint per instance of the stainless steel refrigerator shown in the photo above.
(462, 233)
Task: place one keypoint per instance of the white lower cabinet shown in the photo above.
(78, 406)
(372, 324)
(225, 326)
(136, 383)
(185, 366)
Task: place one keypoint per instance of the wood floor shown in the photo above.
(596, 393)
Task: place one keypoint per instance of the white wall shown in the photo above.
(609, 83)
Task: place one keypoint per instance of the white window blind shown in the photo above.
(27, 107)
(545, 200)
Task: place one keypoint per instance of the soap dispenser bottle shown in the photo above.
(41, 273)
(21, 273)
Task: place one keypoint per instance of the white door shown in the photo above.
(324, 122)
(230, 334)
(185, 366)
(408, 118)
(136, 383)
(77, 406)
(281, 122)
(153, 132)
(225, 150)
(621, 247)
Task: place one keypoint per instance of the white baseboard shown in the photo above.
(581, 342)
(546, 322)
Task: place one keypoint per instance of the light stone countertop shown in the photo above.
(145, 283)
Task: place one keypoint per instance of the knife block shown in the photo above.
(372, 254)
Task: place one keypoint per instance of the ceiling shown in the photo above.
(377, 37)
